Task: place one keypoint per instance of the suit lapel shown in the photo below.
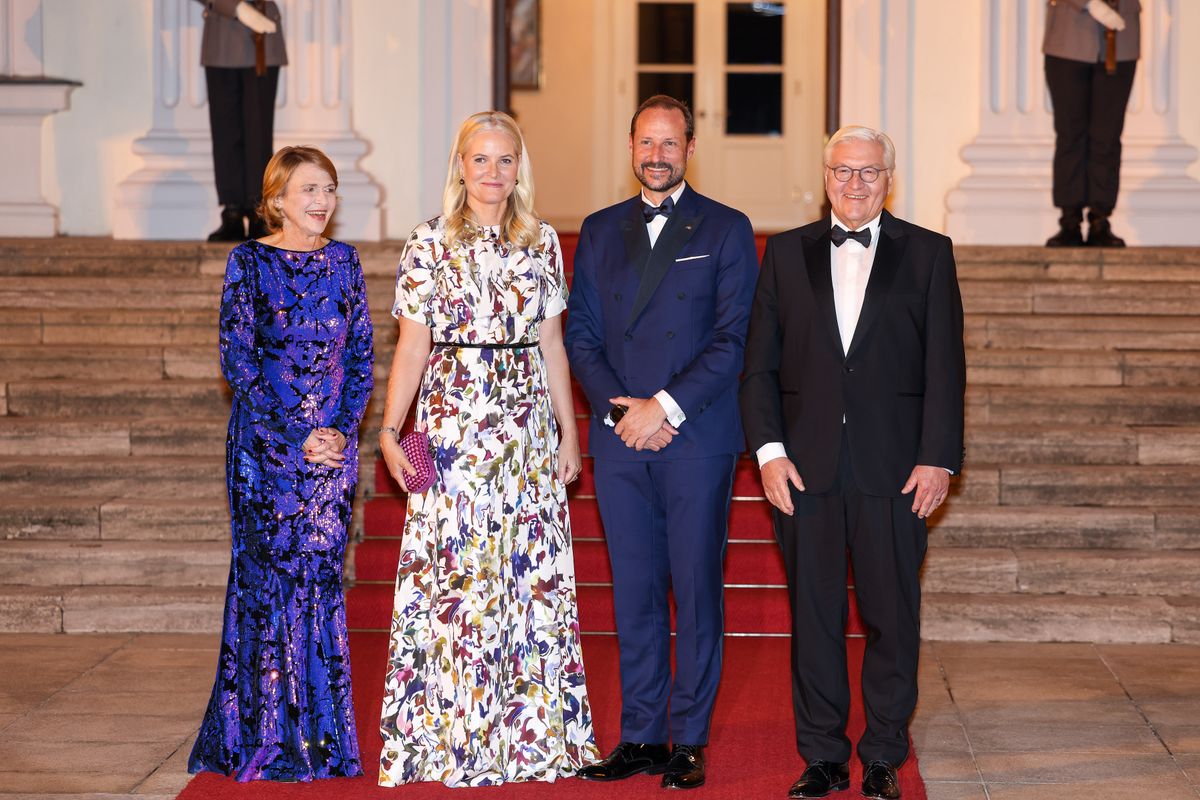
(675, 234)
(888, 255)
(637, 241)
(816, 259)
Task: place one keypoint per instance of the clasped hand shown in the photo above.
(644, 426)
(325, 446)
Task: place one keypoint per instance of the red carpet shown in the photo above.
(752, 750)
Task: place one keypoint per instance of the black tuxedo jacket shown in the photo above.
(900, 387)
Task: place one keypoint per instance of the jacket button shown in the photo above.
(629, 337)
(617, 296)
(670, 334)
(848, 370)
(681, 295)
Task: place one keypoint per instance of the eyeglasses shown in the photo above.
(868, 174)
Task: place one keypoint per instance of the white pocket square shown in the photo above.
(690, 258)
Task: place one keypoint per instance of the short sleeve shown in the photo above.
(415, 277)
(556, 284)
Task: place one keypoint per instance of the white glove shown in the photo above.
(1103, 13)
(258, 22)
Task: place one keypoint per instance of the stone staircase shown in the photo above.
(1077, 516)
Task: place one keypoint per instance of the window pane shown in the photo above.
(666, 33)
(755, 103)
(754, 33)
(675, 84)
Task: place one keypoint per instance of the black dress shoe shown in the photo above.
(233, 227)
(1100, 233)
(820, 778)
(685, 768)
(1067, 236)
(628, 758)
(879, 781)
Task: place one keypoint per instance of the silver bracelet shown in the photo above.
(389, 429)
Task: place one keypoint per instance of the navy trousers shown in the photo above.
(666, 523)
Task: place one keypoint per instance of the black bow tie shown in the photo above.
(650, 212)
(839, 236)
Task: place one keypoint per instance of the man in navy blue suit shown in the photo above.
(655, 333)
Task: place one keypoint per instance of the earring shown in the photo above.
(517, 182)
(461, 181)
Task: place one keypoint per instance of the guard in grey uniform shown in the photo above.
(1091, 50)
(241, 51)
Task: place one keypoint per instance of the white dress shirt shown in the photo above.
(850, 268)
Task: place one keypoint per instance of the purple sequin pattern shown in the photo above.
(296, 350)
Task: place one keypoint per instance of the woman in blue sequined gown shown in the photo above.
(296, 350)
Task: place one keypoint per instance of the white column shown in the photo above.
(173, 195)
(27, 98)
(1007, 197)
(877, 78)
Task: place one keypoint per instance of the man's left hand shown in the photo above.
(643, 419)
(932, 485)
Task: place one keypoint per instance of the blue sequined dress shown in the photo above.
(296, 350)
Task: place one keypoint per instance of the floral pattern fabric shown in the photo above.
(296, 349)
(485, 679)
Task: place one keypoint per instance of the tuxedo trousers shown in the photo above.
(241, 114)
(1089, 116)
(886, 544)
(666, 525)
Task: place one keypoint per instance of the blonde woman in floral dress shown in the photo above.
(485, 682)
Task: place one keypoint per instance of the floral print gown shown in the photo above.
(296, 349)
(485, 680)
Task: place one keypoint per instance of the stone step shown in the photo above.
(1031, 263)
(156, 436)
(96, 256)
(103, 517)
(117, 563)
(67, 398)
(111, 609)
(1083, 405)
(141, 292)
(1025, 367)
(1055, 618)
(1137, 486)
(144, 476)
(1090, 444)
(1076, 527)
(1080, 332)
(23, 363)
(130, 327)
(1080, 297)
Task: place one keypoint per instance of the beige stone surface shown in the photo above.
(158, 398)
(144, 609)
(1089, 405)
(1040, 444)
(1044, 618)
(1044, 367)
(1177, 528)
(49, 518)
(48, 436)
(1111, 572)
(1168, 445)
(1101, 485)
(1161, 368)
(176, 520)
(20, 327)
(197, 477)
(29, 609)
(169, 436)
(969, 569)
(1116, 297)
(963, 525)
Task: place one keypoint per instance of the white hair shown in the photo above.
(861, 133)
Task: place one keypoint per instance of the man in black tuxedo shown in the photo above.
(852, 400)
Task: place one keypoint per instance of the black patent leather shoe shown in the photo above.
(233, 227)
(628, 758)
(820, 778)
(685, 767)
(879, 781)
(1100, 234)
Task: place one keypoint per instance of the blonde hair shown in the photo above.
(519, 225)
(279, 171)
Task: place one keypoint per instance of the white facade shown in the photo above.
(383, 84)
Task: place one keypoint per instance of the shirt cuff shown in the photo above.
(675, 414)
(769, 452)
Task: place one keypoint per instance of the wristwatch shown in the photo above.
(615, 413)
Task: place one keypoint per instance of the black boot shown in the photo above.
(1068, 229)
(1100, 232)
(233, 226)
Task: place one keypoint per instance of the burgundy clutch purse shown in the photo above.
(419, 451)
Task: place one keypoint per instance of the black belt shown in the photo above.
(488, 346)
